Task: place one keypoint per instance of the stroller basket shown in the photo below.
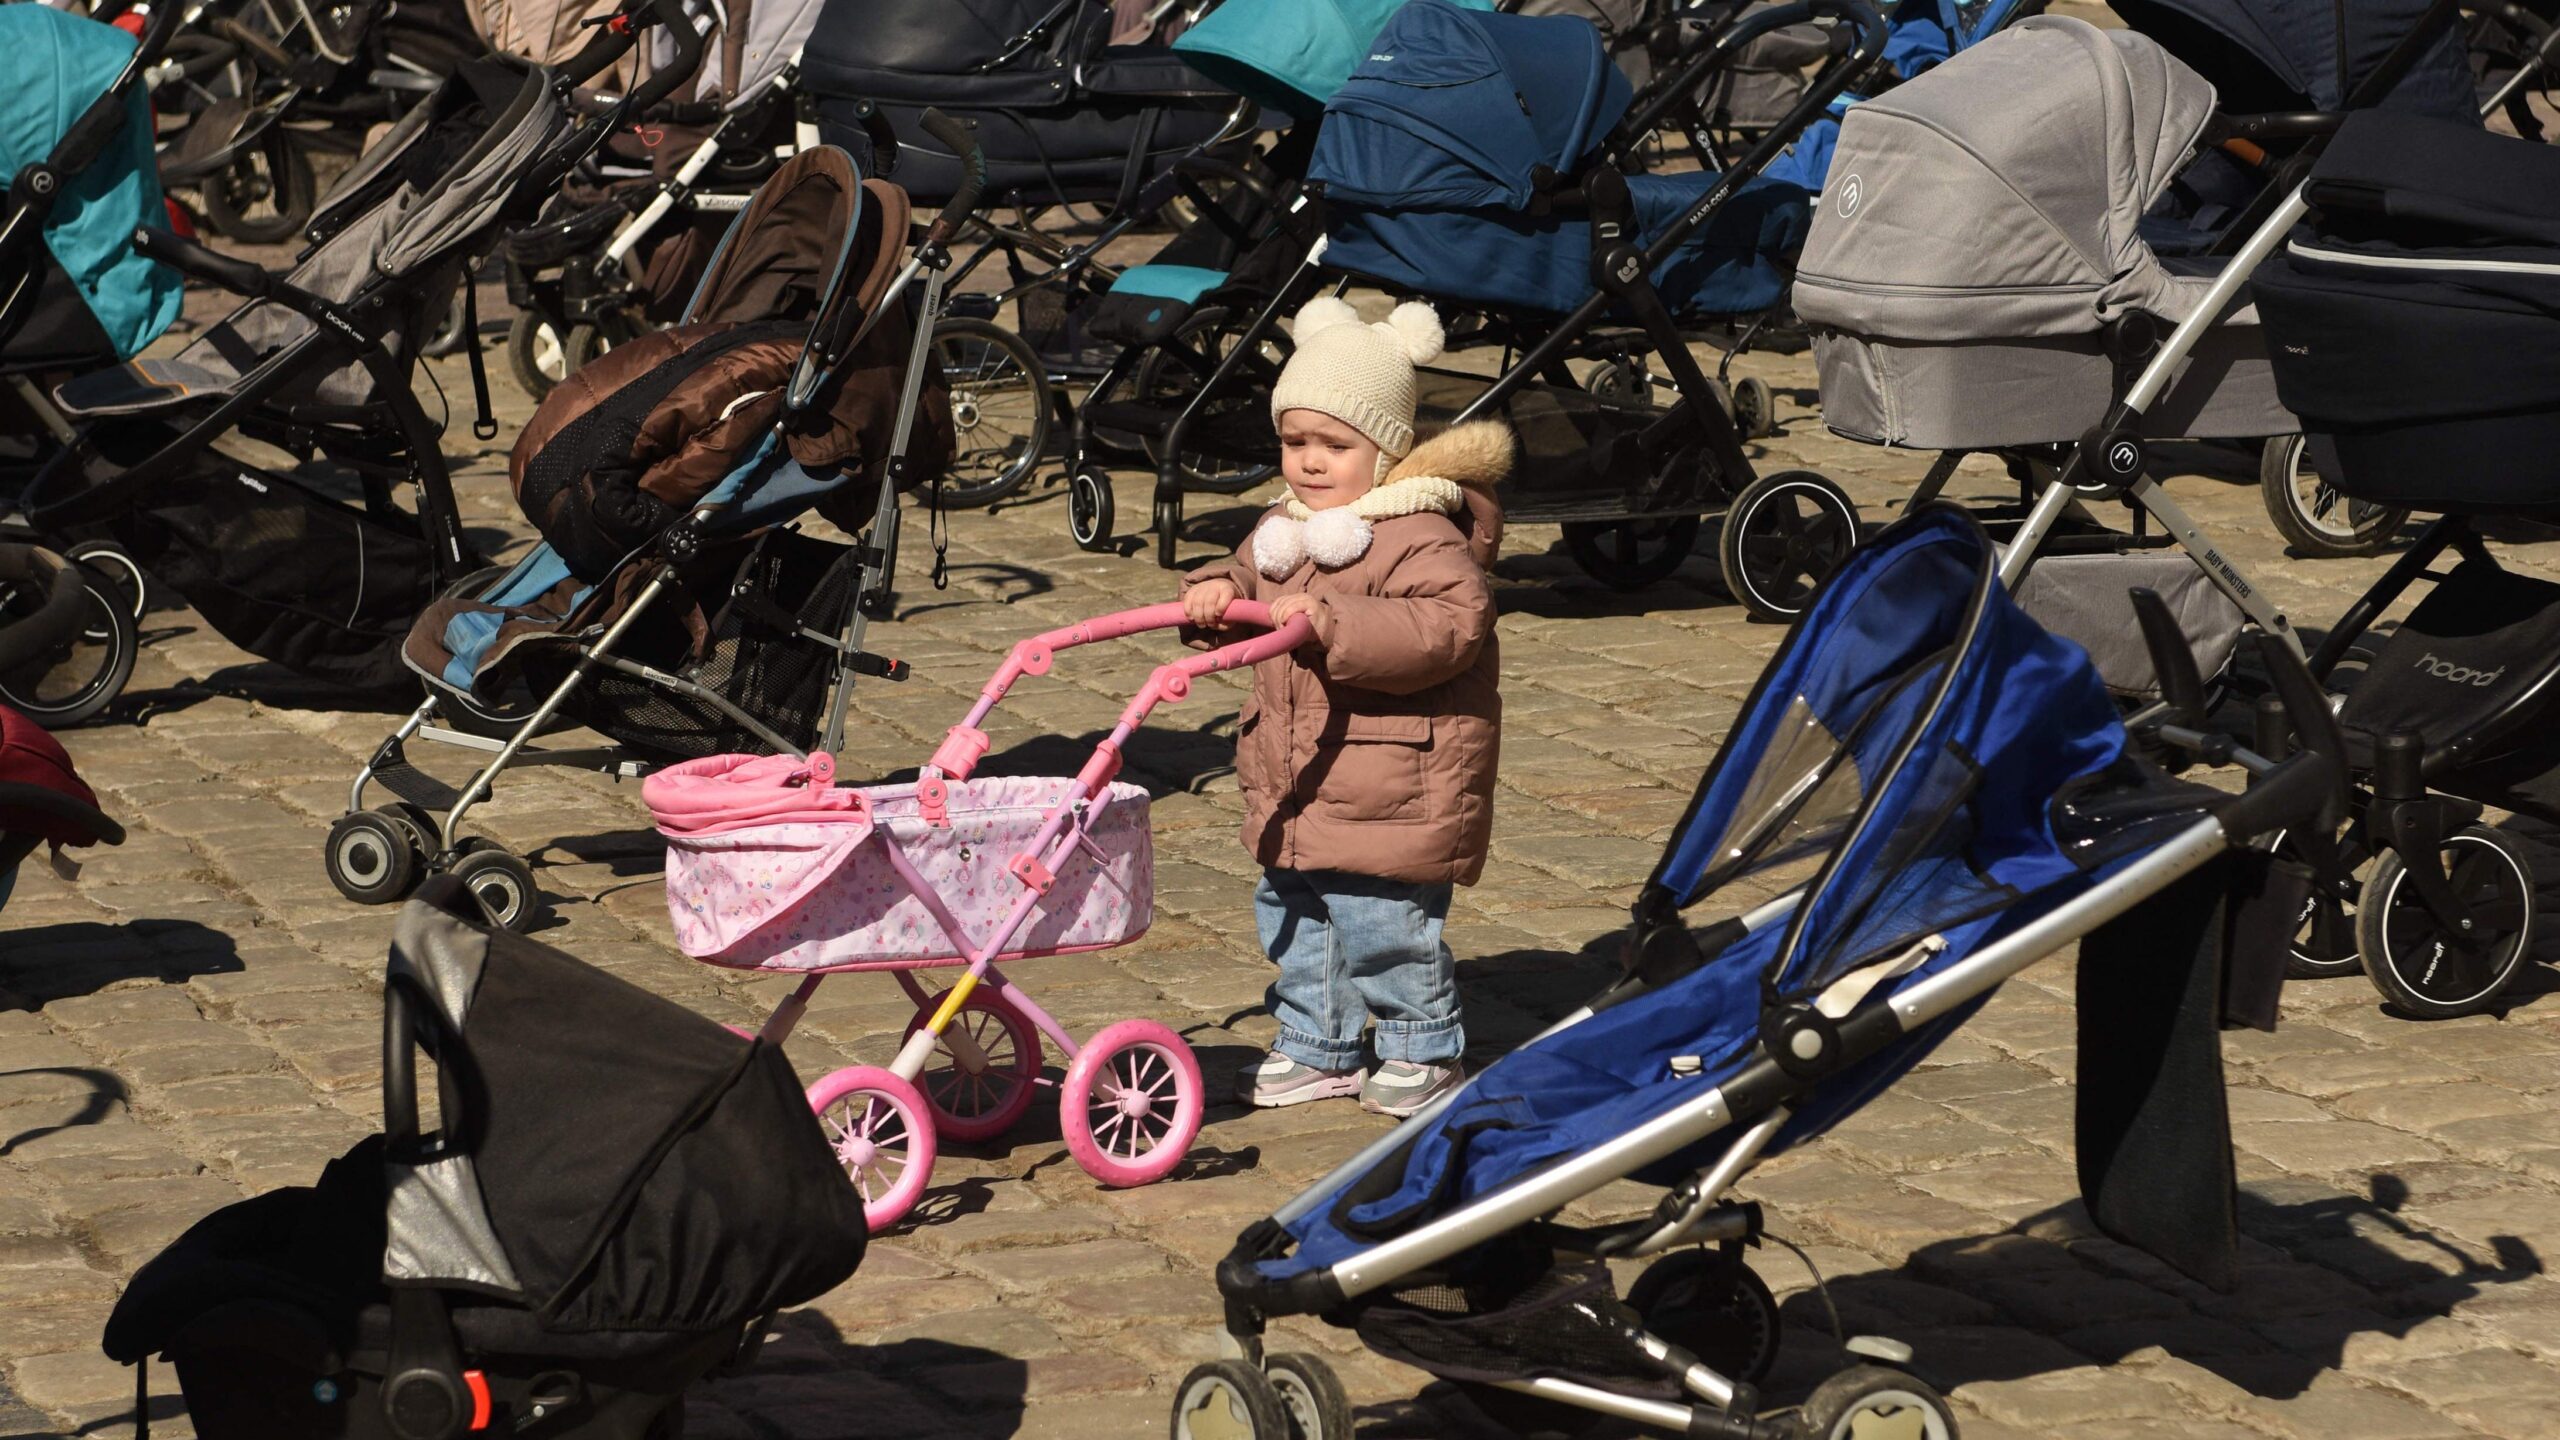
(1561, 1319)
(1578, 456)
(754, 657)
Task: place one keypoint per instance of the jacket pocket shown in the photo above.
(1377, 770)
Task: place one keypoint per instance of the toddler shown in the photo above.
(1367, 755)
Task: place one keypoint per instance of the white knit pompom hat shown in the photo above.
(1361, 375)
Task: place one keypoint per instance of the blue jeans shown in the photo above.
(1352, 947)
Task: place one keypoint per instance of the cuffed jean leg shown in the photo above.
(1319, 1012)
(1387, 934)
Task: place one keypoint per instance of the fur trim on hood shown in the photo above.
(1452, 473)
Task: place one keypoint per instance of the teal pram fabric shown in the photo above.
(1289, 55)
(58, 65)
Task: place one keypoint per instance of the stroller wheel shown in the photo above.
(114, 564)
(1782, 538)
(2422, 965)
(1871, 1402)
(2309, 512)
(537, 353)
(1631, 554)
(502, 883)
(84, 674)
(265, 194)
(1755, 408)
(1318, 1408)
(882, 1136)
(1131, 1103)
(370, 858)
(2324, 944)
(985, 1067)
(1089, 508)
(999, 410)
(1228, 1400)
(1713, 1306)
(1168, 528)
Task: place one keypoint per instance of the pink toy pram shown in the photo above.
(772, 866)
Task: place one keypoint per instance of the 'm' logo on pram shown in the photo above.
(2446, 670)
(1851, 192)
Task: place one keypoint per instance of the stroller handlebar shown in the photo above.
(961, 139)
(688, 57)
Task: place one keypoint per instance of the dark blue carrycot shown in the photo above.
(1435, 156)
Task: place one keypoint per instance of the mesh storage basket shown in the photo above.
(1517, 1315)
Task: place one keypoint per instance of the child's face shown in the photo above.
(1326, 462)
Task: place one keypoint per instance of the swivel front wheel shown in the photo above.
(1870, 1401)
(1782, 538)
(1089, 509)
(881, 1134)
(2427, 965)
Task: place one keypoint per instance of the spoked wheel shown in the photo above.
(1783, 537)
(1755, 408)
(537, 352)
(84, 676)
(985, 1069)
(1229, 1400)
(999, 409)
(114, 564)
(2308, 510)
(1172, 373)
(1871, 1402)
(1713, 1306)
(1318, 1408)
(1631, 554)
(2324, 937)
(882, 1136)
(1131, 1103)
(2424, 966)
(264, 195)
(502, 884)
(1089, 509)
(371, 858)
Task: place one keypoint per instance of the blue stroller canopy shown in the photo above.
(1924, 32)
(1908, 741)
(1288, 55)
(2270, 55)
(62, 64)
(1459, 109)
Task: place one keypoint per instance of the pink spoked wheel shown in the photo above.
(985, 1070)
(1131, 1103)
(882, 1135)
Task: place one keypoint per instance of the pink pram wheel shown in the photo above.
(1131, 1105)
(986, 1069)
(882, 1135)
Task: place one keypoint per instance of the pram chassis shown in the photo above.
(1760, 1099)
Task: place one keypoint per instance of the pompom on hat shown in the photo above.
(1360, 374)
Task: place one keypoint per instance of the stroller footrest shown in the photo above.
(417, 786)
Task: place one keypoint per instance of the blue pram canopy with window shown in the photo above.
(1910, 741)
(1435, 154)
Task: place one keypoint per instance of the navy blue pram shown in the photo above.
(1435, 156)
(1944, 795)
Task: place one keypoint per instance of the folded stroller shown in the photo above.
(609, 1199)
(673, 607)
(322, 573)
(2412, 321)
(1940, 793)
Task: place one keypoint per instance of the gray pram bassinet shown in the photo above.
(1980, 239)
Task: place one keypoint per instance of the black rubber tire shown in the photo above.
(502, 884)
(537, 351)
(1755, 408)
(1239, 1398)
(280, 166)
(1317, 1406)
(1713, 1306)
(1089, 509)
(2313, 954)
(1165, 377)
(1835, 1407)
(84, 678)
(991, 370)
(114, 564)
(2321, 524)
(1168, 528)
(371, 858)
(2404, 948)
(591, 338)
(1632, 554)
(1782, 537)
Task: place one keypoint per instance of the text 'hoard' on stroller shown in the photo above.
(673, 605)
(1955, 784)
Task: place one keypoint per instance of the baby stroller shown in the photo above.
(605, 1199)
(1474, 159)
(2403, 317)
(42, 799)
(672, 605)
(771, 866)
(1942, 796)
(323, 572)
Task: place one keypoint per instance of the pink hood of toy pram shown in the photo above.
(768, 866)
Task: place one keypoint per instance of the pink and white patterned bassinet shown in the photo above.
(770, 866)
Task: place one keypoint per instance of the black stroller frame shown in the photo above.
(1628, 539)
(424, 830)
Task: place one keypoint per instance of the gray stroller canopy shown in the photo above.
(1998, 195)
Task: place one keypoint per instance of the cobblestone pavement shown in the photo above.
(195, 1019)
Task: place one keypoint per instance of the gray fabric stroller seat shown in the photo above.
(1979, 248)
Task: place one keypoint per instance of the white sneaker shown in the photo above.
(1279, 1081)
(1400, 1087)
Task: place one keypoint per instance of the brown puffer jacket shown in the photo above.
(1373, 748)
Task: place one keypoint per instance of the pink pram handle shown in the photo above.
(967, 743)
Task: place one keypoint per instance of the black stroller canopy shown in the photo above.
(2266, 56)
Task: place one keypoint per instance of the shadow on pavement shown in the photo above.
(45, 963)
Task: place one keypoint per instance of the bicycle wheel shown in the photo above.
(999, 410)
